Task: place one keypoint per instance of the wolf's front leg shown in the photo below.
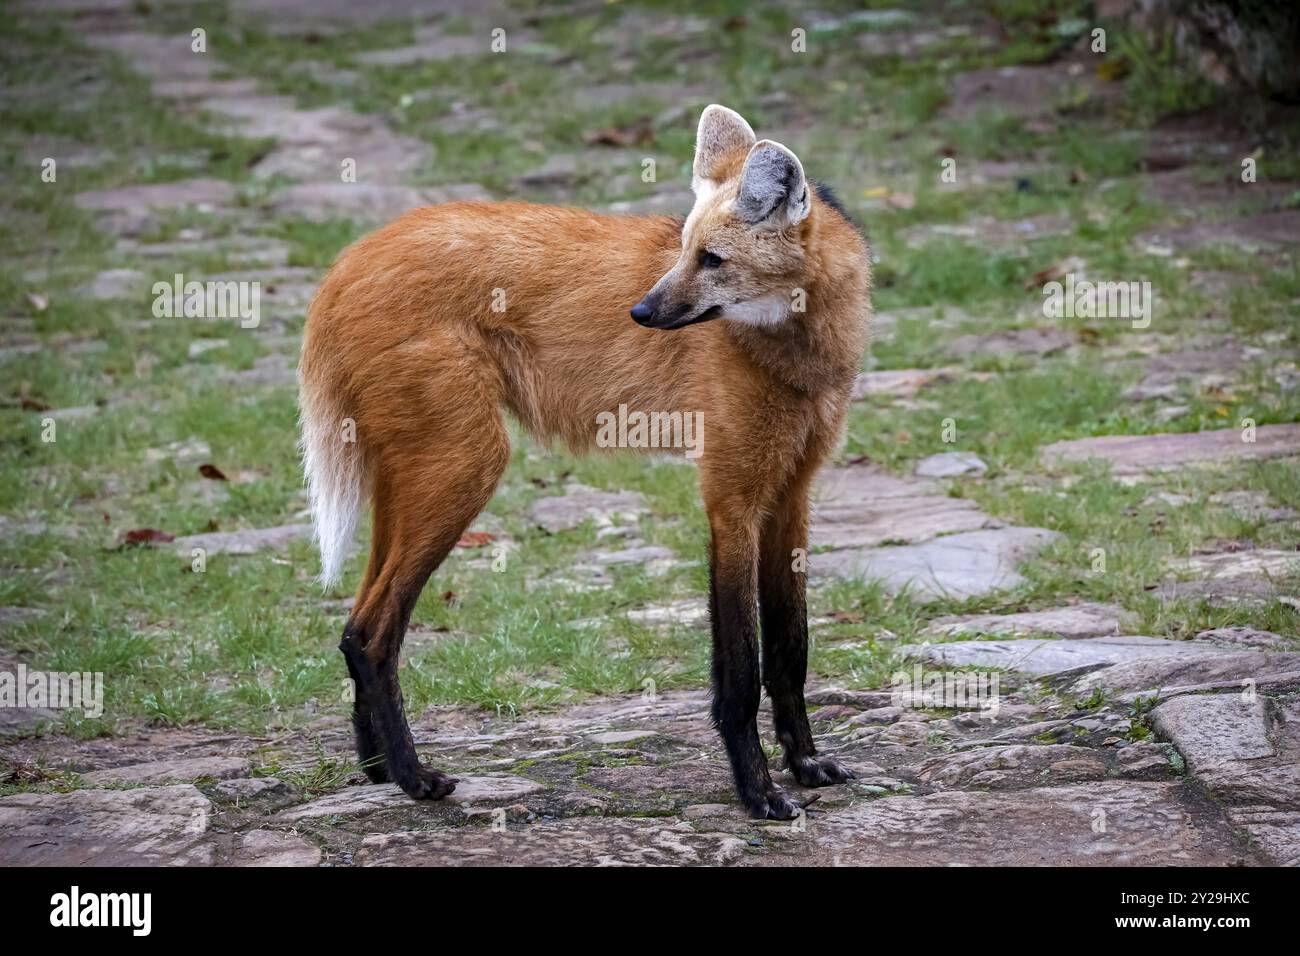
(784, 615)
(733, 587)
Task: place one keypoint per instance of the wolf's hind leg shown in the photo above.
(429, 487)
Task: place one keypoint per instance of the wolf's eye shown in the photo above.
(709, 260)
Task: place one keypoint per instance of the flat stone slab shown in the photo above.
(1131, 454)
(251, 788)
(18, 721)
(988, 231)
(1035, 342)
(1221, 591)
(355, 801)
(586, 841)
(243, 542)
(1233, 577)
(1101, 823)
(1257, 563)
(366, 202)
(684, 779)
(1042, 658)
(1211, 729)
(1076, 621)
(1245, 749)
(1210, 668)
(120, 284)
(860, 507)
(1247, 637)
(171, 771)
(1276, 833)
(431, 44)
(273, 848)
(1012, 766)
(580, 504)
(1254, 505)
(899, 382)
(312, 16)
(950, 464)
(643, 554)
(958, 565)
(1023, 91)
(686, 612)
(1268, 230)
(188, 192)
(1166, 373)
(237, 249)
(150, 826)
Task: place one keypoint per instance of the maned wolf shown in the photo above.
(753, 311)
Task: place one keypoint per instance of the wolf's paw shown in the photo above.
(820, 771)
(426, 784)
(774, 804)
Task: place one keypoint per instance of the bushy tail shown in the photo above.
(336, 476)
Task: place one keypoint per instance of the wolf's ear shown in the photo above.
(722, 134)
(773, 191)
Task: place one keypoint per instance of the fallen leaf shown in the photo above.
(37, 301)
(475, 539)
(212, 472)
(637, 133)
(1158, 162)
(142, 536)
(1112, 68)
(1043, 276)
(846, 617)
(450, 597)
(1058, 271)
(901, 200)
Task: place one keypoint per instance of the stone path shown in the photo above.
(1052, 774)
(1097, 745)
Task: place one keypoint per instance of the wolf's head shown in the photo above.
(743, 243)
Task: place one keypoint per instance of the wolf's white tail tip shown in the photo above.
(336, 484)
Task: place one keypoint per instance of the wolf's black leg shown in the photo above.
(784, 617)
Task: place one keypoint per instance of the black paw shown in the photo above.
(820, 771)
(426, 784)
(774, 804)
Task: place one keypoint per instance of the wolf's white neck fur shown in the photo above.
(768, 311)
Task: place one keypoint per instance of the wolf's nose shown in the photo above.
(642, 312)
